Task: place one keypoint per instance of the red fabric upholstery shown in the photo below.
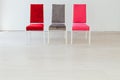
(36, 18)
(80, 26)
(79, 13)
(36, 13)
(35, 27)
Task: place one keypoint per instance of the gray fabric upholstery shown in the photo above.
(57, 26)
(58, 17)
(58, 13)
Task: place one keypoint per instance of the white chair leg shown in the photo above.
(43, 37)
(48, 37)
(89, 37)
(66, 37)
(71, 37)
(28, 38)
(86, 35)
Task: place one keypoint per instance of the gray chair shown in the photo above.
(58, 19)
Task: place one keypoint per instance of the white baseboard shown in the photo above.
(93, 28)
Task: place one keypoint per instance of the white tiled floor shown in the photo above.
(57, 61)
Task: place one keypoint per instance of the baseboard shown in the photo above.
(105, 28)
(93, 28)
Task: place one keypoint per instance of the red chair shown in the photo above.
(36, 18)
(79, 20)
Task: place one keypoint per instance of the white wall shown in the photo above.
(102, 15)
(0, 13)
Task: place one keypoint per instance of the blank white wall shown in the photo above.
(102, 15)
(0, 13)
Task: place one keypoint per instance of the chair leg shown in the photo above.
(86, 35)
(28, 38)
(48, 37)
(43, 37)
(89, 37)
(66, 37)
(71, 37)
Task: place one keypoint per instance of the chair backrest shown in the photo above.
(36, 13)
(58, 13)
(79, 13)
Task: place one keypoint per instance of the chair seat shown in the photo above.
(57, 26)
(35, 27)
(80, 26)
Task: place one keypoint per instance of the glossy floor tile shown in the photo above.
(58, 61)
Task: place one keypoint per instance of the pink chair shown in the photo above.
(79, 20)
